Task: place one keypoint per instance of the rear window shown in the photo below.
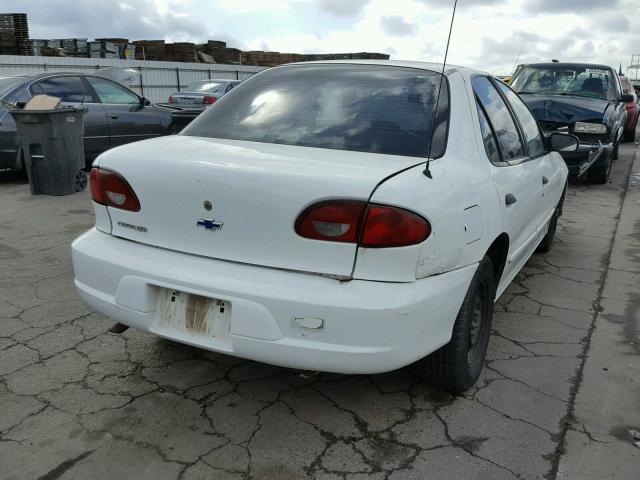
(204, 86)
(364, 108)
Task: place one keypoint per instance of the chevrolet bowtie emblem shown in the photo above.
(209, 224)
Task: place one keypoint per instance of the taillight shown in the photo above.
(386, 226)
(170, 98)
(110, 189)
(333, 220)
(369, 225)
(209, 99)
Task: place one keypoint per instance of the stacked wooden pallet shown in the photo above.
(150, 50)
(103, 49)
(14, 34)
(181, 52)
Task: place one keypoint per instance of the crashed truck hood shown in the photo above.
(566, 109)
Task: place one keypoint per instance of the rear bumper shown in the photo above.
(367, 327)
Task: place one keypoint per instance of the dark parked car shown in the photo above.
(633, 110)
(116, 115)
(584, 100)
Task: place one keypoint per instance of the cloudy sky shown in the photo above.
(488, 34)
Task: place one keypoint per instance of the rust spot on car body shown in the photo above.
(196, 312)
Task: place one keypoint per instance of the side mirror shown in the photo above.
(626, 97)
(144, 102)
(563, 142)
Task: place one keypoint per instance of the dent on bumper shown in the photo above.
(574, 159)
(367, 327)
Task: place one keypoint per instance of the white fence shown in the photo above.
(157, 79)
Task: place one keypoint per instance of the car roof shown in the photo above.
(37, 76)
(570, 65)
(434, 67)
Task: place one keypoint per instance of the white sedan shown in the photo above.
(352, 217)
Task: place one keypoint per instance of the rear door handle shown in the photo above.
(115, 117)
(545, 180)
(510, 199)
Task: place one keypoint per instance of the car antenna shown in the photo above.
(427, 171)
(515, 65)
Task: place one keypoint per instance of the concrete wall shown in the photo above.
(158, 80)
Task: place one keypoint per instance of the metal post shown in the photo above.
(237, 75)
(141, 82)
(209, 71)
(178, 77)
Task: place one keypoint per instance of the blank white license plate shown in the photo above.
(195, 315)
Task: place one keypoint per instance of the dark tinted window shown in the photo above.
(36, 89)
(204, 86)
(112, 93)
(500, 118)
(67, 89)
(489, 140)
(362, 108)
(529, 125)
(8, 86)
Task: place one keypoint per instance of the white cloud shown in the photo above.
(487, 34)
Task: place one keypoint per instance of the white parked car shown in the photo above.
(296, 222)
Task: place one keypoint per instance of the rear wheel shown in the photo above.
(80, 181)
(457, 365)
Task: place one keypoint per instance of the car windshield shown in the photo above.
(7, 84)
(585, 81)
(206, 86)
(365, 108)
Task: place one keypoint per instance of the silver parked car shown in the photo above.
(202, 93)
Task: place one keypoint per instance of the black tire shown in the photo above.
(547, 241)
(599, 175)
(80, 181)
(630, 136)
(457, 366)
(616, 151)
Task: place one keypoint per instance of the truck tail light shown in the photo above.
(170, 98)
(112, 190)
(209, 99)
(368, 225)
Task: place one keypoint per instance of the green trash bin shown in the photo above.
(52, 146)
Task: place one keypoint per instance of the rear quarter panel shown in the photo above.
(460, 203)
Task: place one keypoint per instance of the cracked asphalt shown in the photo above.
(78, 402)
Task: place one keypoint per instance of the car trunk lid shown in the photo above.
(255, 190)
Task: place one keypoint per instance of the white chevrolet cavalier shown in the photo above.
(298, 222)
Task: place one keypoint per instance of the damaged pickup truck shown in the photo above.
(584, 100)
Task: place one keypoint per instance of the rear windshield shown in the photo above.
(204, 86)
(364, 108)
(591, 82)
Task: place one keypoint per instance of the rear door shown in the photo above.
(72, 91)
(515, 174)
(550, 176)
(129, 119)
